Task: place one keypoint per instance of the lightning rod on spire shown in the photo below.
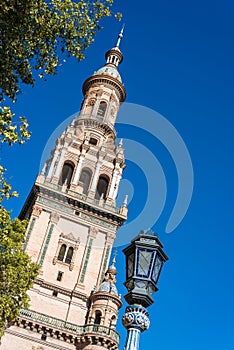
(120, 36)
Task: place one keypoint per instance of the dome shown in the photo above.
(108, 287)
(112, 71)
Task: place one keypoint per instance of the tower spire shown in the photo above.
(114, 56)
(120, 36)
(114, 260)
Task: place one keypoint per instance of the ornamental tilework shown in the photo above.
(46, 244)
(86, 260)
(32, 223)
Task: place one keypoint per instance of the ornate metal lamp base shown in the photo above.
(136, 321)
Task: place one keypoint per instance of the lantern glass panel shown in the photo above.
(130, 265)
(157, 268)
(144, 262)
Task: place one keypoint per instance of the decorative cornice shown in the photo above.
(29, 203)
(105, 79)
(40, 190)
(106, 296)
(96, 124)
(42, 283)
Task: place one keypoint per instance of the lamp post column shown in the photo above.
(136, 321)
(144, 262)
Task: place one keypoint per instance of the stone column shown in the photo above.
(55, 157)
(108, 112)
(44, 169)
(95, 177)
(113, 183)
(117, 186)
(60, 163)
(78, 169)
(95, 107)
(136, 321)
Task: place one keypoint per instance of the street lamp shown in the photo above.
(144, 262)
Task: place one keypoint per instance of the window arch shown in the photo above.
(67, 249)
(102, 187)
(93, 141)
(62, 252)
(65, 254)
(102, 109)
(85, 179)
(69, 255)
(113, 321)
(66, 174)
(98, 316)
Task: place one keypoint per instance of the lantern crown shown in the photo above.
(144, 261)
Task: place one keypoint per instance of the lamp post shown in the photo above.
(144, 262)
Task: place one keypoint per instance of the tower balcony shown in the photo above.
(69, 332)
(96, 122)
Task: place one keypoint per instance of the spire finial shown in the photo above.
(120, 143)
(120, 36)
(125, 202)
(114, 258)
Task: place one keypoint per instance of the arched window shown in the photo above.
(62, 252)
(113, 321)
(85, 178)
(66, 175)
(93, 141)
(102, 187)
(69, 255)
(102, 109)
(98, 316)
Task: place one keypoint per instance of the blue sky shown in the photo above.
(178, 61)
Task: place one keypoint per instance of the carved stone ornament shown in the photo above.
(112, 98)
(54, 217)
(70, 237)
(93, 231)
(91, 102)
(112, 112)
(99, 92)
(110, 237)
(36, 211)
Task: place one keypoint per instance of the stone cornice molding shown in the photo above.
(39, 190)
(68, 292)
(99, 79)
(106, 296)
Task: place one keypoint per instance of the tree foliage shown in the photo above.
(17, 271)
(10, 132)
(36, 33)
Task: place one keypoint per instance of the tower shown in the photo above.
(73, 221)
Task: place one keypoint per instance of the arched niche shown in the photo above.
(66, 174)
(102, 186)
(113, 321)
(102, 109)
(98, 317)
(85, 178)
